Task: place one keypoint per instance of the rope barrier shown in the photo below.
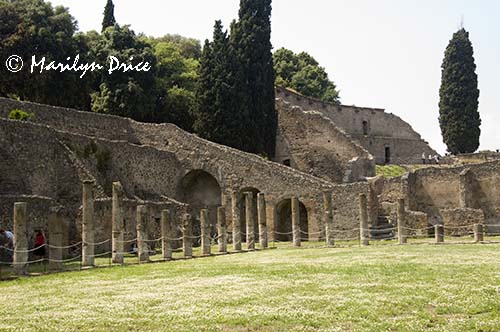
(155, 240)
(22, 251)
(103, 254)
(126, 241)
(279, 233)
(175, 239)
(417, 229)
(64, 247)
(65, 260)
(96, 243)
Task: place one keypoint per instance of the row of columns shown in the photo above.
(168, 232)
(250, 220)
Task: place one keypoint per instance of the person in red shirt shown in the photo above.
(39, 244)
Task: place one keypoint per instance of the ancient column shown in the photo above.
(296, 222)
(439, 233)
(187, 233)
(88, 223)
(20, 259)
(235, 212)
(401, 214)
(261, 212)
(327, 204)
(465, 188)
(250, 220)
(364, 232)
(141, 222)
(221, 229)
(55, 239)
(117, 224)
(166, 234)
(478, 233)
(205, 232)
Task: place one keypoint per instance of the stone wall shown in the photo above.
(448, 195)
(310, 142)
(372, 128)
(66, 119)
(461, 221)
(52, 153)
(346, 212)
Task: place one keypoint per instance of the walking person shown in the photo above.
(423, 158)
(430, 159)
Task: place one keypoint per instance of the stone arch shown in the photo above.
(201, 190)
(284, 220)
(242, 206)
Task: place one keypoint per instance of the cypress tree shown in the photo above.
(254, 76)
(458, 107)
(109, 15)
(215, 118)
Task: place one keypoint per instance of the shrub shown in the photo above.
(20, 115)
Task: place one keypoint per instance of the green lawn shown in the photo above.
(377, 288)
(390, 171)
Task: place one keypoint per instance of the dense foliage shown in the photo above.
(303, 73)
(254, 77)
(109, 15)
(224, 92)
(34, 27)
(130, 94)
(458, 107)
(166, 93)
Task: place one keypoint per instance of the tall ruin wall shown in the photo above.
(384, 135)
(312, 143)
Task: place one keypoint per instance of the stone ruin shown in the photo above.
(320, 148)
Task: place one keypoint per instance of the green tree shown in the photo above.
(216, 119)
(187, 47)
(176, 78)
(254, 77)
(303, 73)
(129, 94)
(34, 27)
(109, 15)
(458, 107)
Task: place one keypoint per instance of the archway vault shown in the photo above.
(283, 224)
(200, 190)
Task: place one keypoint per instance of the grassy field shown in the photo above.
(377, 288)
(390, 171)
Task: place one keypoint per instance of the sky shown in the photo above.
(385, 53)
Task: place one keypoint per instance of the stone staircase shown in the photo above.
(384, 230)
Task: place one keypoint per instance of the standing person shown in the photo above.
(9, 243)
(430, 159)
(423, 158)
(39, 244)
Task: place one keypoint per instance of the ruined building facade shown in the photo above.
(43, 162)
(342, 143)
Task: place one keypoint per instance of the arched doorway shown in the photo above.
(201, 190)
(283, 225)
(242, 206)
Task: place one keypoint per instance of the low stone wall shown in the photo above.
(460, 221)
(417, 224)
(346, 213)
